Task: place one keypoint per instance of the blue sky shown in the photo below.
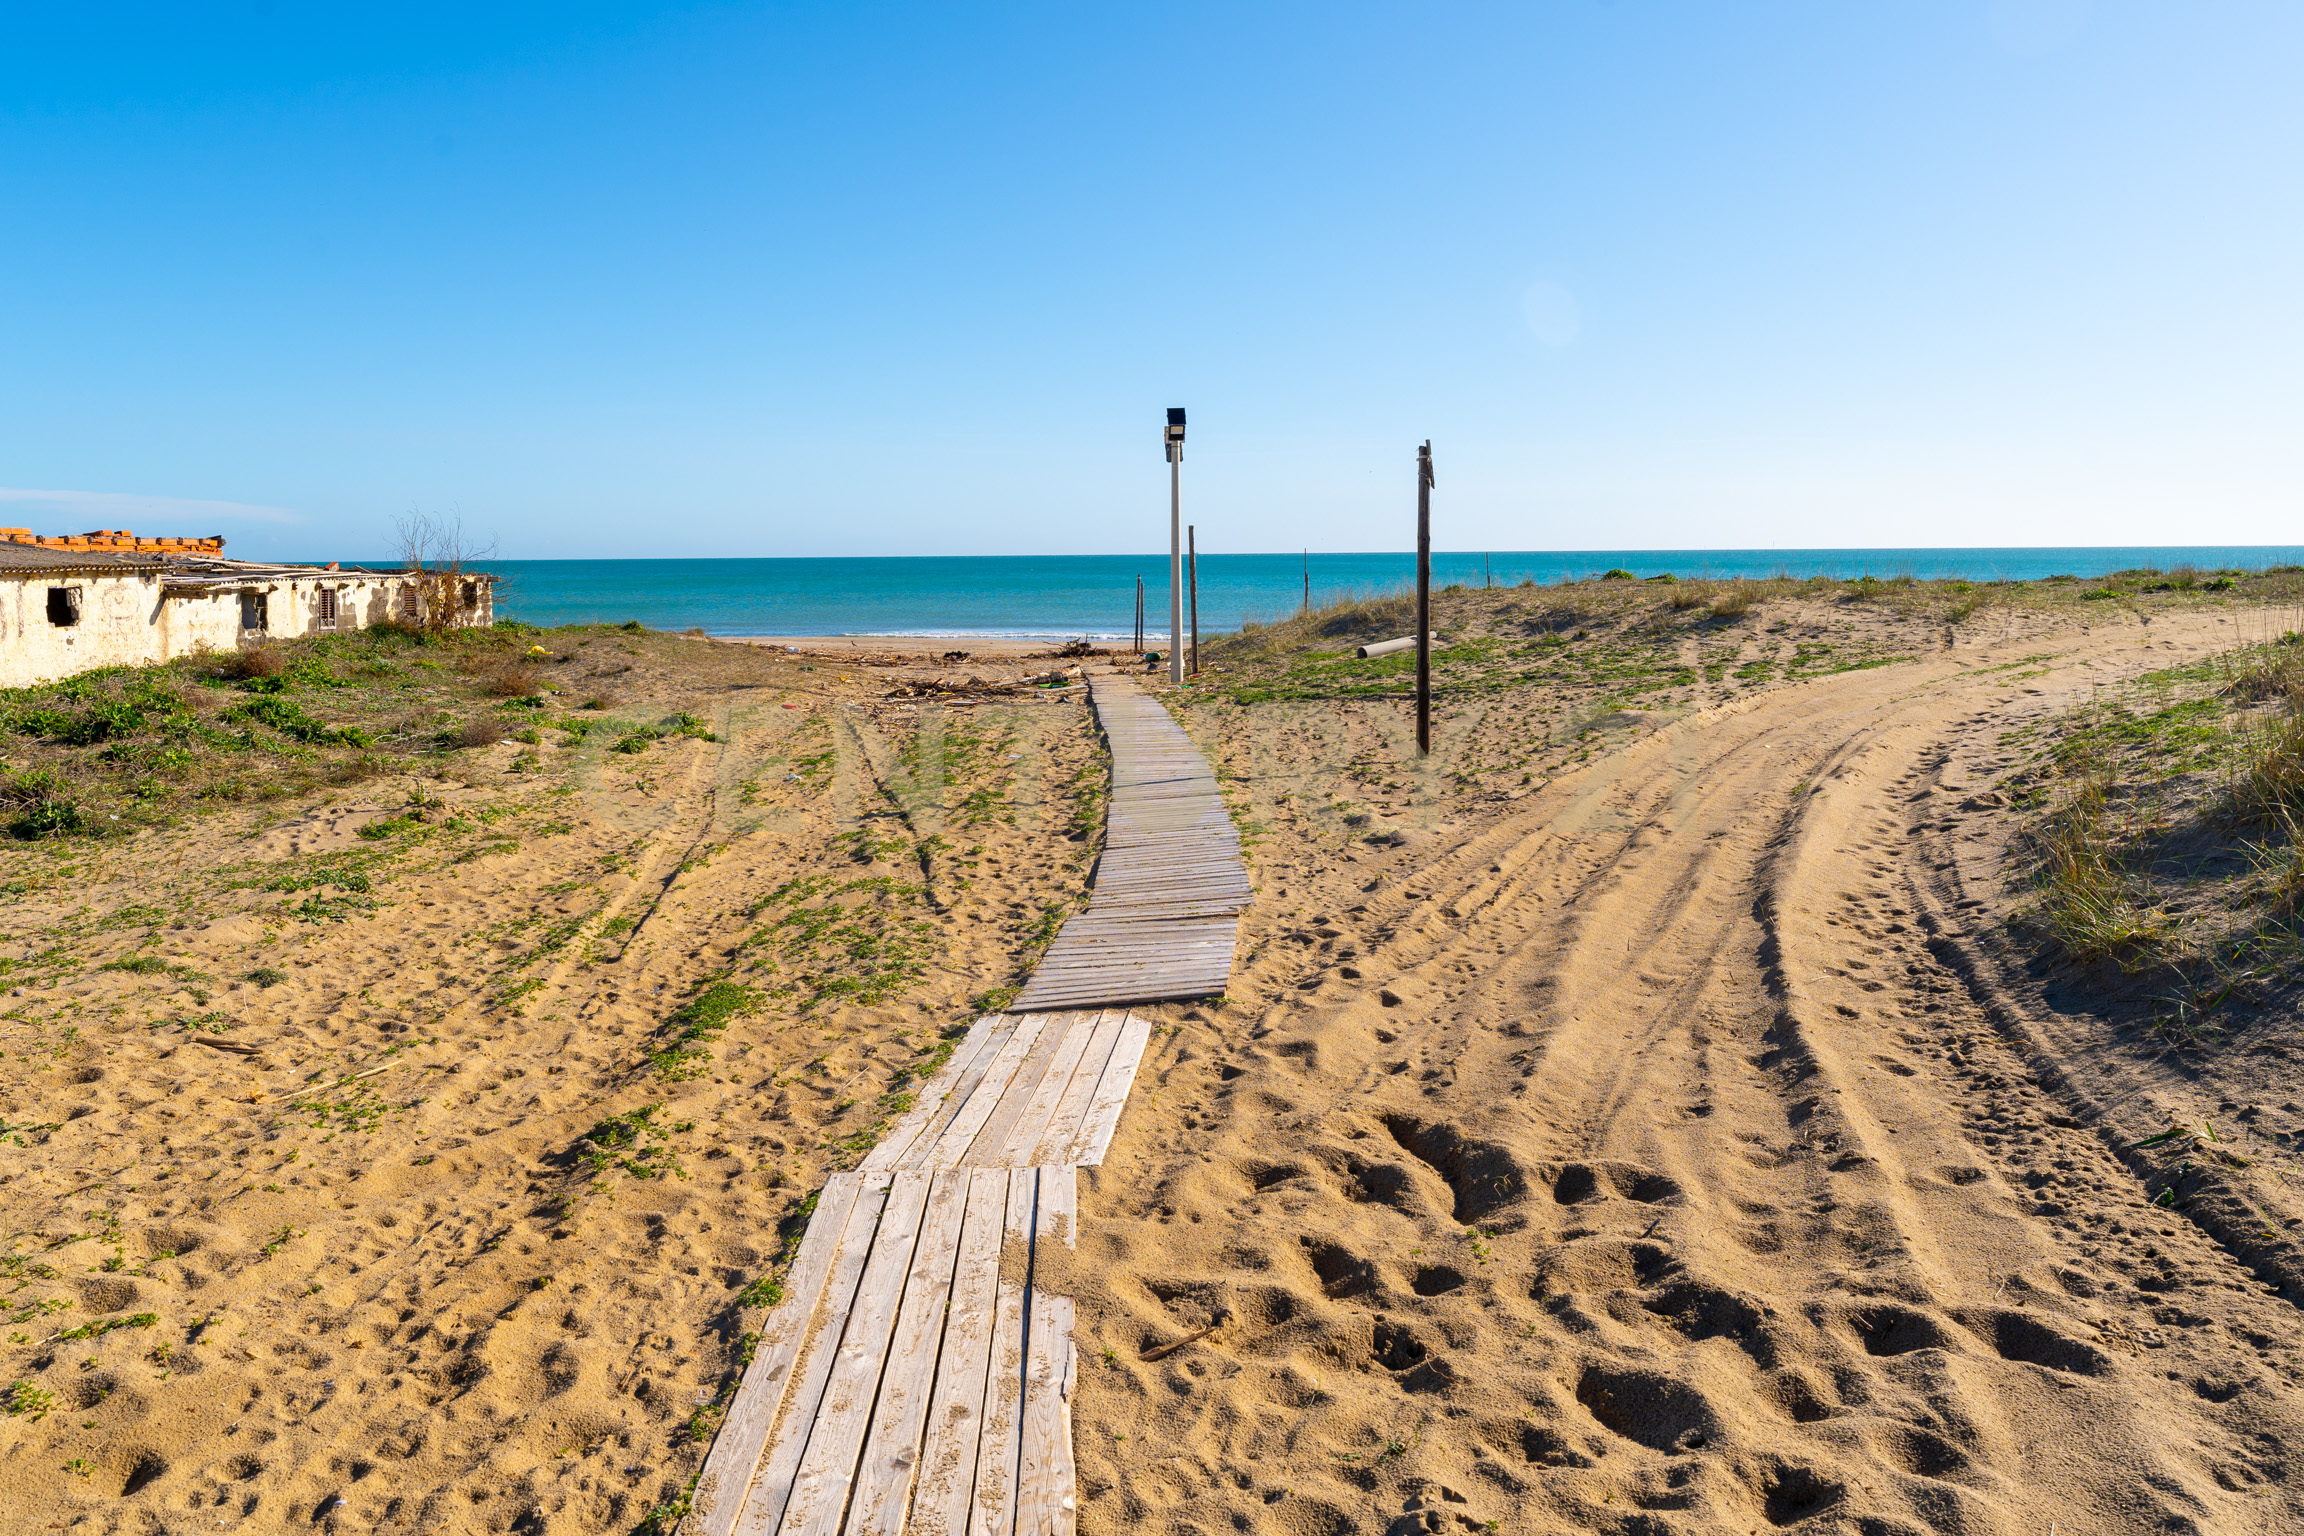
(876, 278)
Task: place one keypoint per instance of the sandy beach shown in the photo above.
(1642, 1115)
(925, 647)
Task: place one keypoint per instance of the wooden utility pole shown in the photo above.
(1192, 560)
(1424, 599)
(1139, 616)
(1307, 581)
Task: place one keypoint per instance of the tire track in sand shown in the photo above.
(1653, 1175)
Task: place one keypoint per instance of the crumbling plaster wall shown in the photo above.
(118, 625)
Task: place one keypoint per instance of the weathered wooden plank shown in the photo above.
(984, 1149)
(992, 1511)
(1045, 1497)
(819, 1352)
(1071, 1112)
(727, 1474)
(963, 1090)
(931, 1102)
(948, 1450)
(1025, 1133)
(1087, 1150)
(819, 1501)
(892, 1451)
(953, 1141)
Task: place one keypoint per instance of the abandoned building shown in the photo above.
(105, 599)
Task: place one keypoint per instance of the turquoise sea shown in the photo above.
(1094, 595)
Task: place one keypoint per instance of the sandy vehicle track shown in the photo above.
(1648, 1160)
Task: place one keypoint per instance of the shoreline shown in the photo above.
(933, 646)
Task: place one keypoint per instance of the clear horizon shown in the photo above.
(621, 281)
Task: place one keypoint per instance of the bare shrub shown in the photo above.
(517, 681)
(256, 661)
(438, 563)
(354, 770)
(481, 731)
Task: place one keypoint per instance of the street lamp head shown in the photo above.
(1174, 440)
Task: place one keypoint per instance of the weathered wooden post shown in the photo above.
(1424, 599)
(1192, 560)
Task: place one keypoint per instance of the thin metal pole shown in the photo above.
(1176, 567)
(1424, 599)
(1192, 558)
(1307, 581)
(1139, 616)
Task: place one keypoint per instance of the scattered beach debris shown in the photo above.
(973, 686)
(1392, 647)
(1163, 1351)
(234, 1046)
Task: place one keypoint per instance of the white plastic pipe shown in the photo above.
(1386, 648)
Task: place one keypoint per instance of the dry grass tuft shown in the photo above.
(2088, 903)
(2268, 782)
(481, 731)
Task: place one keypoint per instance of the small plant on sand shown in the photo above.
(665, 1518)
(634, 1141)
(137, 965)
(28, 1398)
(701, 1021)
(36, 806)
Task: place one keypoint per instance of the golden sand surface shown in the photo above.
(414, 1179)
(1671, 1142)
(1643, 1115)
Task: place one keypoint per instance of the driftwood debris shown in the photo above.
(235, 1047)
(975, 687)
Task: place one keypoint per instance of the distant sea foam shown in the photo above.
(1070, 596)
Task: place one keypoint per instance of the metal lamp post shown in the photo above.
(1174, 442)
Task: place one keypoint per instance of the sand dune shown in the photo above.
(1643, 1159)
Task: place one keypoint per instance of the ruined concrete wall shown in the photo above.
(126, 620)
(118, 625)
(188, 624)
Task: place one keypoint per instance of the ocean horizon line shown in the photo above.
(1095, 596)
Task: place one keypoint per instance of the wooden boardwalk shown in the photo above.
(1165, 910)
(917, 1375)
(1022, 1090)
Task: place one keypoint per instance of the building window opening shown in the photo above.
(471, 595)
(254, 612)
(64, 606)
(327, 607)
